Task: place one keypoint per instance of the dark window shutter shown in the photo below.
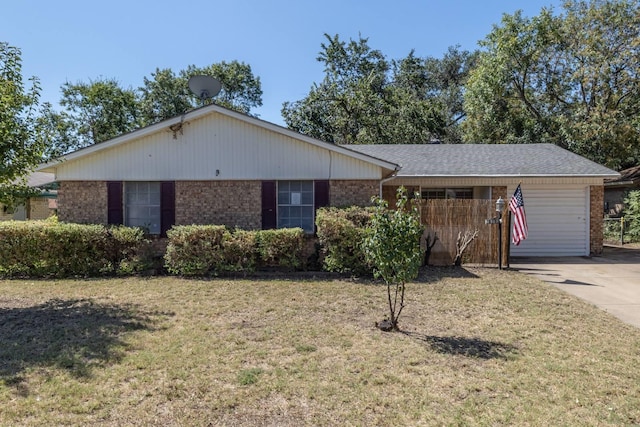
(320, 197)
(269, 205)
(167, 206)
(114, 203)
(320, 194)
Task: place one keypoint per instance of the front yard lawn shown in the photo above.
(479, 347)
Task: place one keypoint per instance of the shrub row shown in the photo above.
(341, 233)
(51, 249)
(199, 250)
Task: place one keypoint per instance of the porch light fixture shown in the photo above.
(500, 204)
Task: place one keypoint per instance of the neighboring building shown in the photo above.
(41, 206)
(615, 190)
(216, 166)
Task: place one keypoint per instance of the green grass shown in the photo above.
(478, 347)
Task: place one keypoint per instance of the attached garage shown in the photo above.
(558, 221)
(563, 192)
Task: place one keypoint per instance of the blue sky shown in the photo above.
(70, 40)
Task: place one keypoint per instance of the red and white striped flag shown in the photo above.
(516, 206)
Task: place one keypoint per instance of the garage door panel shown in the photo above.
(557, 221)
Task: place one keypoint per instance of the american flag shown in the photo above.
(516, 206)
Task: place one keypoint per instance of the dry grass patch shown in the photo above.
(479, 347)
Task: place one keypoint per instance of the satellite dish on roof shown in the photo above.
(204, 86)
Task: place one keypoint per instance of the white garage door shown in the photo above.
(558, 220)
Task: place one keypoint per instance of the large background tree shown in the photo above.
(166, 94)
(364, 98)
(99, 110)
(571, 79)
(20, 149)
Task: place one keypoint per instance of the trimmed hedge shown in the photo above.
(200, 250)
(341, 232)
(52, 249)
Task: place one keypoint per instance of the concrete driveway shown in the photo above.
(610, 281)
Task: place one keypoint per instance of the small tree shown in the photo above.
(392, 246)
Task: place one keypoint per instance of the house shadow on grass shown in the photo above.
(470, 347)
(75, 335)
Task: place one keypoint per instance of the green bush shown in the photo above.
(194, 250)
(341, 233)
(239, 251)
(280, 248)
(632, 215)
(201, 250)
(51, 249)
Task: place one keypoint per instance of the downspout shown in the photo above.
(393, 175)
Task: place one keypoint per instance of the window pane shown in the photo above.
(295, 204)
(142, 205)
(307, 198)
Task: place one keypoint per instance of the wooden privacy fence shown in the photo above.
(447, 218)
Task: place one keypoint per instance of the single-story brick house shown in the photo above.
(216, 166)
(616, 189)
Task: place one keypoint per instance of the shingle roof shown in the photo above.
(628, 176)
(485, 160)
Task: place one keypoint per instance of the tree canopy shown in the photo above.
(102, 109)
(20, 150)
(571, 79)
(365, 98)
(166, 94)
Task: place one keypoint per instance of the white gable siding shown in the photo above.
(216, 147)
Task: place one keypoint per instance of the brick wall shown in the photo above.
(596, 232)
(231, 203)
(83, 202)
(348, 193)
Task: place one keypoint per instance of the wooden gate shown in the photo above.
(447, 218)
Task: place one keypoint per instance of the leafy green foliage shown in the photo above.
(166, 94)
(632, 215)
(341, 233)
(51, 249)
(201, 250)
(571, 79)
(101, 109)
(98, 111)
(280, 248)
(392, 246)
(195, 250)
(20, 150)
(365, 99)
